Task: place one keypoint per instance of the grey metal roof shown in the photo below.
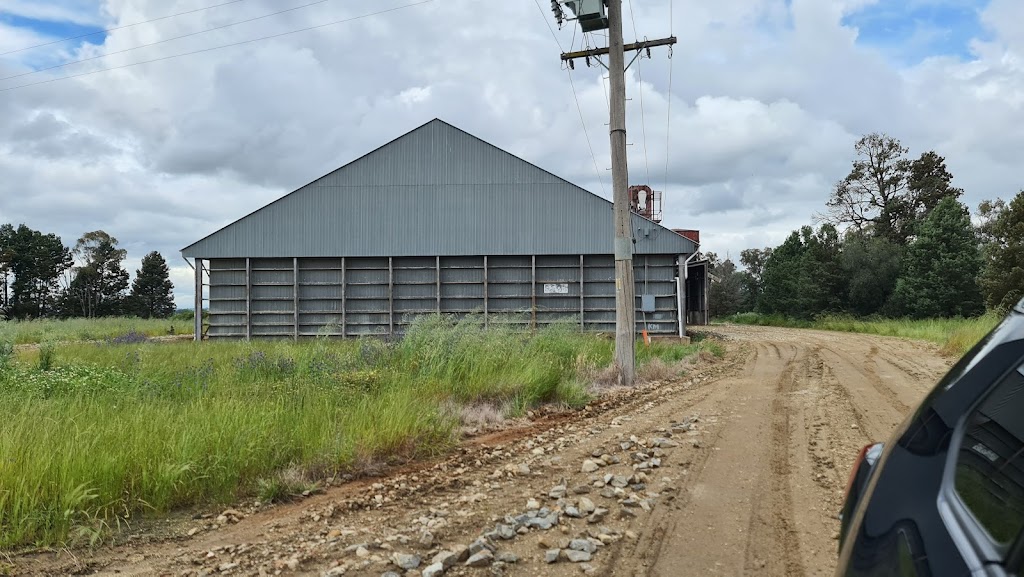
(435, 191)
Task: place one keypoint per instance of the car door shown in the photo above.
(982, 501)
(1015, 560)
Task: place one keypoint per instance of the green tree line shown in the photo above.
(894, 241)
(42, 278)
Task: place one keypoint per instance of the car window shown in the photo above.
(990, 465)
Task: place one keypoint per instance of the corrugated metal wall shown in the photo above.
(353, 296)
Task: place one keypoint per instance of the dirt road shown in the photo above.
(738, 468)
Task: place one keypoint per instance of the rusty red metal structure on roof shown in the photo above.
(693, 235)
(645, 202)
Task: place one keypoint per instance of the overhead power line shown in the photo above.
(597, 171)
(640, 78)
(668, 127)
(271, 36)
(198, 32)
(108, 30)
(550, 29)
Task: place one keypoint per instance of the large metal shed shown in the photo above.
(435, 221)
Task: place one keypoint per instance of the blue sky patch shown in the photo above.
(56, 30)
(908, 31)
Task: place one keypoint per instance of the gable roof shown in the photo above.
(435, 191)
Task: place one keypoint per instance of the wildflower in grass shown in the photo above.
(6, 354)
(132, 362)
(374, 352)
(132, 337)
(257, 365)
(323, 363)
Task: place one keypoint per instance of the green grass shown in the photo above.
(101, 432)
(954, 336)
(39, 331)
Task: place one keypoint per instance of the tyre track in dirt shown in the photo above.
(664, 522)
(862, 364)
(764, 499)
(772, 545)
(734, 511)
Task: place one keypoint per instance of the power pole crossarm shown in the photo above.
(627, 48)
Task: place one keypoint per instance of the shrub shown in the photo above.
(47, 355)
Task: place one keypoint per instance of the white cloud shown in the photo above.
(768, 97)
(14, 38)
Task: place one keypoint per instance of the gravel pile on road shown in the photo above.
(572, 521)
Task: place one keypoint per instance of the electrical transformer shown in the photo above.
(590, 13)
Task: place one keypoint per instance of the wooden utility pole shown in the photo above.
(625, 289)
(625, 305)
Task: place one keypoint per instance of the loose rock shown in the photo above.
(507, 557)
(558, 492)
(586, 506)
(462, 553)
(426, 540)
(406, 561)
(481, 559)
(577, 556)
(505, 532)
(446, 559)
(479, 546)
(583, 545)
(598, 515)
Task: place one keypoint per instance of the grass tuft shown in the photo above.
(954, 336)
(284, 486)
(64, 330)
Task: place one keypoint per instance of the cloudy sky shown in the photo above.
(767, 98)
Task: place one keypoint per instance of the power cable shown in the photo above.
(550, 29)
(640, 78)
(604, 79)
(671, 67)
(308, 28)
(164, 40)
(597, 171)
(123, 26)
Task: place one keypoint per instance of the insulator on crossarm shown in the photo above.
(559, 17)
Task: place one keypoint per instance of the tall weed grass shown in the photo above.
(106, 431)
(954, 336)
(39, 331)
